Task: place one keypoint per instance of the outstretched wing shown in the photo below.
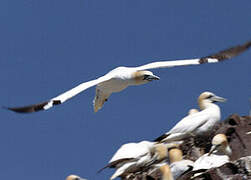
(214, 58)
(60, 98)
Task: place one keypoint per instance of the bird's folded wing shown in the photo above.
(186, 125)
(130, 150)
(214, 58)
(189, 123)
(60, 98)
(115, 163)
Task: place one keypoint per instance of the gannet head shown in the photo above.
(220, 143)
(175, 154)
(160, 151)
(208, 97)
(74, 177)
(166, 172)
(142, 77)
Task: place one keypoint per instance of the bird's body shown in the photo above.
(132, 157)
(218, 155)
(132, 150)
(121, 77)
(196, 123)
(207, 162)
(178, 165)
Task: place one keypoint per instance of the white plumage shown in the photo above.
(196, 123)
(132, 150)
(122, 77)
(178, 165)
(218, 155)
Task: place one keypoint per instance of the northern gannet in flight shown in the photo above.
(122, 77)
(196, 123)
(74, 177)
(217, 156)
(178, 165)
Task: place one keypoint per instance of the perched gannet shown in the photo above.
(217, 156)
(132, 157)
(74, 177)
(178, 165)
(122, 77)
(129, 152)
(196, 123)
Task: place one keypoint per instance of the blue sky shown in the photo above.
(50, 46)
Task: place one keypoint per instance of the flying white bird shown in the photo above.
(74, 177)
(132, 157)
(196, 123)
(217, 156)
(122, 77)
(178, 165)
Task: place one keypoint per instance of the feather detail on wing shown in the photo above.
(214, 58)
(60, 98)
(100, 98)
(115, 163)
(185, 126)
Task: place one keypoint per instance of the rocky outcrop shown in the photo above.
(237, 130)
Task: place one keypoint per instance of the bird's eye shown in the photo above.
(145, 76)
(210, 96)
(76, 178)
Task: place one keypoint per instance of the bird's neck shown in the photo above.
(208, 105)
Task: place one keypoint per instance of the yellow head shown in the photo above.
(142, 77)
(208, 97)
(74, 177)
(220, 143)
(175, 154)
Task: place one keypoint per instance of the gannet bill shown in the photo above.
(196, 123)
(74, 177)
(122, 77)
(178, 165)
(217, 156)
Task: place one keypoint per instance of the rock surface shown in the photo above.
(237, 131)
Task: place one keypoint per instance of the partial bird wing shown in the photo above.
(60, 98)
(187, 125)
(115, 163)
(214, 58)
(130, 150)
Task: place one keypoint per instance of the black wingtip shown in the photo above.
(231, 52)
(160, 138)
(27, 109)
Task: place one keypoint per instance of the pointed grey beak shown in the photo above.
(213, 148)
(151, 77)
(218, 99)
